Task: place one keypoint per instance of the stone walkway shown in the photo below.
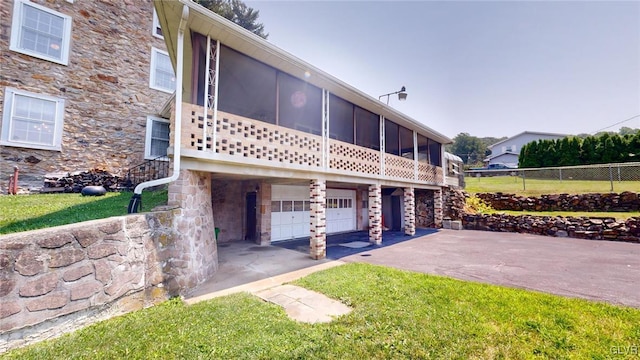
(304, 305)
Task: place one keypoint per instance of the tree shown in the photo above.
(238, 12)
(469, 148)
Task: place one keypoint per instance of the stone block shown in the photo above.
(87, 237)
(40, 286)
(54, 300)
(99, 251)
(6, 285)
(103, 271)
(56, 241)
(110, 228)
(456, 225)
(9, 308)
(29, 263)
(6, 261)
(85, 289)
(66, 257)
(77, 272)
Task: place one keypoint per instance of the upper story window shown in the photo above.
(40, 32)
(514, 147)
(162, 77)
(157, 137)
(156, 30)
(32, 120)
(398, 140)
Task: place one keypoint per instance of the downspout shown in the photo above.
(134, 203)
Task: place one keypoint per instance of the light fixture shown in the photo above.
(402, 95)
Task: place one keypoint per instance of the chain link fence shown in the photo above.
(600, 178)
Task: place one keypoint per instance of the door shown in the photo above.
(341, 210)
(290, 212)
(252, 214)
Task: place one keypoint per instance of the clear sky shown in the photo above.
(484, 68)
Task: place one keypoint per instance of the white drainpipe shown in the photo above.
(177, 131)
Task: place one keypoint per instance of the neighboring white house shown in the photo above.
(507, 151)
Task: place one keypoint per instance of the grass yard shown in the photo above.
(397, 315)
(534, 187)
(30, 212)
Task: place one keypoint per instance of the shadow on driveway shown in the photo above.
(342, 245)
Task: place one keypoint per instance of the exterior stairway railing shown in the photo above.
(149, 170)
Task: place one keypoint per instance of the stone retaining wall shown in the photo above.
(623, 202)
(60, 279)
(574, 227)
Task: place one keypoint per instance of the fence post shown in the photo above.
(611, 177)
(560, 171)
(524, 185)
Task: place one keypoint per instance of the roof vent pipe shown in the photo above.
(134, 203)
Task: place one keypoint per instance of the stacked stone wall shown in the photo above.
(105, 87)
(454, 203)
(78, 273)
(622, 202)
(424, 208)
(558, 226)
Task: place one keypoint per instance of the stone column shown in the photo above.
(375, 214)
(194, 256)
(264, 226)
(409, 211)
(438, 213)
(318, 239)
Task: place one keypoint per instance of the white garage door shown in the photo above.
(290, 209)
(341, 210)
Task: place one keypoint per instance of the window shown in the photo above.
(340, 119)
(513, 148)
(367, 129)
(162, 77)
(157, 140)
(435, 153)
(32, 120)
(423, 148)
(406, 143)
(156, 30)
(40, 32)
(299, 105)
(391, 143)
(246, 87)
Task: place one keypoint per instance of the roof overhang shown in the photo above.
(206, 22)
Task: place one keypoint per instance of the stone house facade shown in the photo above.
(81, 85)
(286, 150)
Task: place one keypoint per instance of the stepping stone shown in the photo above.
(304, 305)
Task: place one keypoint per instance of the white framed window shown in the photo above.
(32, 120)
(40, 32)
(513, 148)
(156, 30)
(157, 139)
(162, 77)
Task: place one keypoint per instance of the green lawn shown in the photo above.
(397, 315)
(513, 185)
(30, 212)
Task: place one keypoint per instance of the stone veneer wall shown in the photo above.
(575, 227)
(623, 202)
(105, 87)
(193, 257)
(57, 280)
(454, 203)
(424, 208)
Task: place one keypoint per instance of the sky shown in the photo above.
(484, 68)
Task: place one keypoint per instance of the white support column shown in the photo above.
(375, 214)
(409, 211)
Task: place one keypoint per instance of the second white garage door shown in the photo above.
(290, 209)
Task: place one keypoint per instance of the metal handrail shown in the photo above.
(149, 170)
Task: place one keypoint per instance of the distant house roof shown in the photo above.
(527, 132)
(508, 152)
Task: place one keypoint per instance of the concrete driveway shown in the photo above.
(595, 270)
